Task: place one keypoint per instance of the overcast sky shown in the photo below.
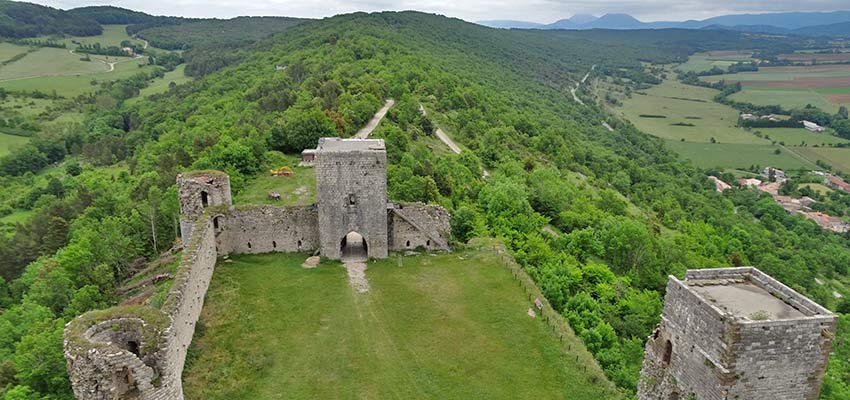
(471, 10)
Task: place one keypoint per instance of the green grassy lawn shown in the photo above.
(453, 326)
(10, 142)
(796, 136)
(839, 158)
(161, 85)
(298, 189)
(684, 104)
(737, 155)
(817, 187)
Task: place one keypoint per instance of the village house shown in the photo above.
(836, 183)
(719, 185)
(774, 174)
(749, 182)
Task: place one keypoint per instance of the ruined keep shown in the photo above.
(736, 333)
(138, 352)
(351, 192)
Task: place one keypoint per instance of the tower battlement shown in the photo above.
(736, 333)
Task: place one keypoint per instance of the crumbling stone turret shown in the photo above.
(736, 333)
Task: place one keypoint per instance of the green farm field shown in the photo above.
(824, 86)
(10, 142)
(800, 136)
(62, 70)
(667, 110)
(672, 103)
(451, 326)
(739, 156)
(839, 158)
(706, 61)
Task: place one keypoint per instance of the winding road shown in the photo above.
(364, 132)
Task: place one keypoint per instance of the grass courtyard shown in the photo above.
(452, 326)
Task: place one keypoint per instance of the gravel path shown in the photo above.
(357, 275)
(373, 123)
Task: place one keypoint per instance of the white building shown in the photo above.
(813, 126)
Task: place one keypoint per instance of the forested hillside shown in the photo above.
(20, 20)
(621, 211)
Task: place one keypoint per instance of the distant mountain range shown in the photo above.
(836, 23)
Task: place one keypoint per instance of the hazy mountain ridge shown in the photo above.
(799, 23)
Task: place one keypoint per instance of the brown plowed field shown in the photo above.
(838, 98)
(819, 57)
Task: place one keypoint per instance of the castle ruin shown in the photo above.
(138, 352)
(736, 333)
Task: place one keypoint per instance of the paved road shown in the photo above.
(583, 80)
(376, 120)
(442, 135)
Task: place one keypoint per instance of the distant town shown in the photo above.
(773, 180)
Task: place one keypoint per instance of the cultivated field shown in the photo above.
(452, 326)
(62, 70)
(721, 59)
(839, 158)
(824, 86)
(739, 156)
(688, 118)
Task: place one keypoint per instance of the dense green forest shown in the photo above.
(20, 20)
(625, 210)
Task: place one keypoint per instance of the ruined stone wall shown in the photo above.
(266, 229)
(139, 352)
(701, 350)
(196, 191)
(696, 333)
(352, 197)
(417, 225)
(782, 359)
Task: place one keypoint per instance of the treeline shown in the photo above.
(96, 48)
(22, 20)
(38, 43)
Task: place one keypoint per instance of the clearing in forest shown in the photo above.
(448, 326)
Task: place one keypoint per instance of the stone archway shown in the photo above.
(353, 246)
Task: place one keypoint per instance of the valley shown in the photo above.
(583, 155)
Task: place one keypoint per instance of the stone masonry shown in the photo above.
(138, 352)
(351, 188)
(736, 333)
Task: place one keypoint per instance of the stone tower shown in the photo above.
(736, 333)
(196, 191)
(351, 189)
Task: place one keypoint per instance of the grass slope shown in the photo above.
(10, 142)
(452, 326)
(839, 158)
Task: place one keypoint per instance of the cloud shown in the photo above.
(471, 10)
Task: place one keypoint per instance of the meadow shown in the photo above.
(824, 86)
(688, 118)
(720, 59)
(161, 85)
(298, 189)
(838, 158)
(450, 326)
(10, 142)
(62, 70)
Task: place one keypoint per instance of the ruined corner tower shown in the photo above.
(196, 191)
(736, 333)
(351, 189)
